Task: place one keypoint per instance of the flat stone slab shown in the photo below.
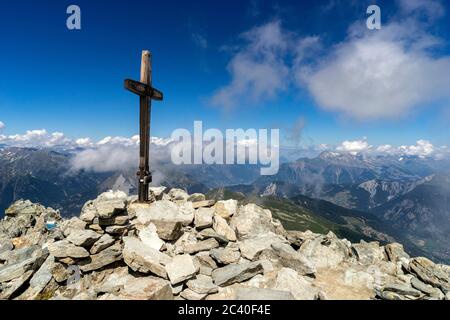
(83, 238)
(182, 268)
(236, 273)
(65, 249)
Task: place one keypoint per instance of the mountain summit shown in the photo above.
(183, 246)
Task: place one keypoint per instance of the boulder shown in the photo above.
(39, 280)
(141, 258)
(395, 252)
(13, 271)
(210, 233)
(251, 220)
(9, 290)
(402, 289)
(182, 268)
(115, 220)
(226, 209)
(102, 259)
(104, 242)
(203, 204)
(300, 287)
(169, 230)
(251, 247)
(117, 230)
(222, 228)
(368, 253)
(325, 251)
(105, 206)
(148, 288)
(165, 210)
(290, 258)
(427, 289)
(150, 238)
(196, 197)
(65, 249)
(191, 295)
(178, 195)
(83, 238)
(202, 285)
(203, 218)
(157, 192)
(227, 255)
(430, 273)
(236, 273)
(205, 245)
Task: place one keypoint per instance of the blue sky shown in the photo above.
(231, 64)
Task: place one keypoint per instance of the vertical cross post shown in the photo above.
(146, 94)
(145, 114)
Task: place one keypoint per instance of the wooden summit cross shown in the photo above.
(146, 94)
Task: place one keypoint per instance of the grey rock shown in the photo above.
(226, 208)
(182, 268)
(292, 259)
(205, 260)
(395, 252)
(236, 273)
(210, 233)
(191, 295)
(325, 251)
(196, 197)
(165, 210)
(430, 273)
(16, 270)
(203, 218)
(402, 289)
(39, 280)
(202, 284)
(178, 195)
(104, 242)
(9, 290)
(426, 288)
(115, 220)
(83, 238)
(251, 220)
(64, 249)
(203, 204)
(148, 288)
(222, 228)
(102, 259)
(368, 253)
(117, 230)
(141, 258)
(157, 192)
(205, 245)
(168, 230)
(60, 273)
(300, 288)
(251, 247)
(227, 255)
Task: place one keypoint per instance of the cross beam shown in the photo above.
(146, 94)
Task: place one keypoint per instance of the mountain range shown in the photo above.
(373, 197)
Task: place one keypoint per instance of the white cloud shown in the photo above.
(258, 70)
(386, 74)
(422, 148)
(2, 125)
(106, 158)
(354, 146)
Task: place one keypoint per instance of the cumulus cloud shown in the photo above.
(2, 125)
(371, 75)
(380, 75)
(258, 70)
(36, 138)
(354, 146)
(422, 148)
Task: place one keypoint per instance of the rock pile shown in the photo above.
(183, 246)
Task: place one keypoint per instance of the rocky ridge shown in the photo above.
(183, 246)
